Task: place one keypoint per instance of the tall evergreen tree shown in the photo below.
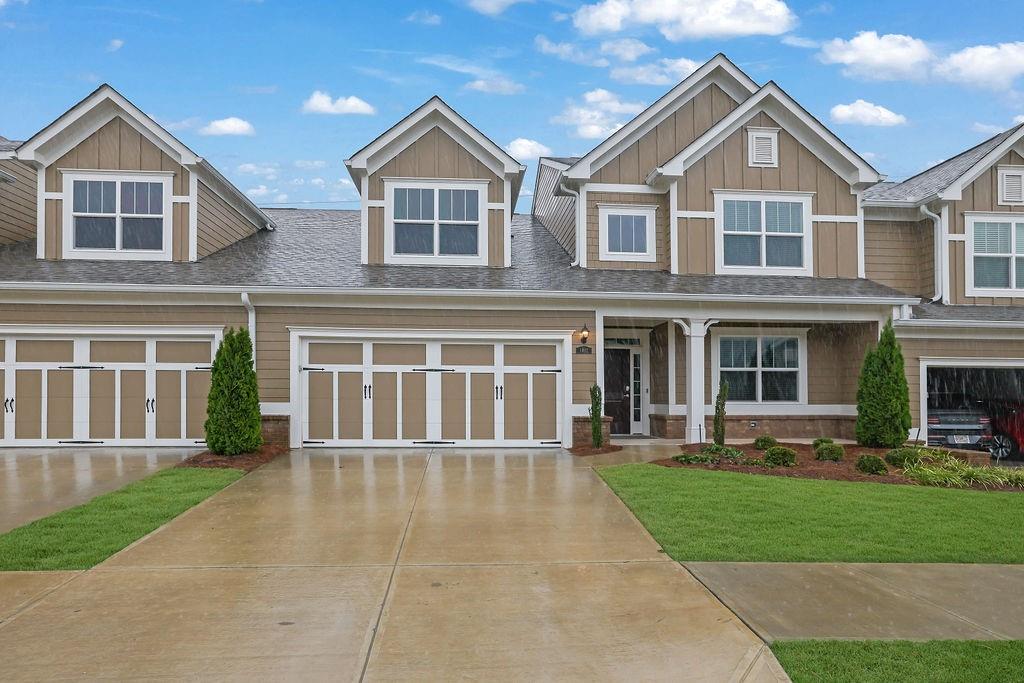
(233, 423)
(883, 398)
(596, 415)
(718, 429)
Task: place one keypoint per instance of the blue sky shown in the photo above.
(276, 94)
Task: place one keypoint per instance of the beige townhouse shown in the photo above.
(722, 234)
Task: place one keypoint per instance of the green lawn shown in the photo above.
(945, 661)
(83, 536)
(700, 515)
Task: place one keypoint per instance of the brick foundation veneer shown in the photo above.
(276, 430)
(668, 426)
(783, 427)
(581, 430)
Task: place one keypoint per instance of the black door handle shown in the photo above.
(370, 388)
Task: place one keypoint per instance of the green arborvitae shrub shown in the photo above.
(779, 456)
(883, 399)
(722, 452)
(821, 440)
(718, 431)
(596, 413)
(765, 442)
(871, 464)
(833, 452)
(233, 407)
(903, 457)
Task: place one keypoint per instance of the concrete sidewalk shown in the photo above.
(871, 601)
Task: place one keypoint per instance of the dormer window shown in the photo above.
(435, 222)
(112, 216)
(763, 147)
(1011, 185)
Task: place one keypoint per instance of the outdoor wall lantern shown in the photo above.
(583, 349)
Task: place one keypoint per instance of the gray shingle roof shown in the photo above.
(320, 248)
(941, 312)
(938, 177)
(8, 145)
(567, 161)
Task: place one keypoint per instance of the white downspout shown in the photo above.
(941, 252)
(251, 310)
(576, 233)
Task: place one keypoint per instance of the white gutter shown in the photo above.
(251, 310)
(577, 231)
(960, 324)
(941, 252)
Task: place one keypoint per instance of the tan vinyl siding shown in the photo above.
(668, 138)
(725, 167)
(659, 363)
(272, 336)
(557, 214)
(116, 146)
(17, 203)
(436, 155)
(981, 195)
(661, 222)
(95, 314)
(220, 225)
(900, 254)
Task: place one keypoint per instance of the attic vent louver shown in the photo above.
(1011, 185)
(763, 146)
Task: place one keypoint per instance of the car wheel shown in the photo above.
(1003, 447)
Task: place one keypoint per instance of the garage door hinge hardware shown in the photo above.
(306, 367)
(313, 442)
(551, 443)
(550, 370)
(433, 369)
(434, 443)
(79, 441)
(79, 367)
(203, 367)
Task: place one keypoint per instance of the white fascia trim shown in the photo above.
(954, 191)
(193, 217)
(776, 102)
(818, 218)
(648, 212)
(364, 215)
(40, 212)
(673, 227)
(581, 226)
(494, 164)
(807, 237)
(861, 242)
(509, 209)
(716, 333)
(735, 83)
(114, 330)
(916, 328)
(693, 214)
(625, 188)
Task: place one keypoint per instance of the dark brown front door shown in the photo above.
(616, 389)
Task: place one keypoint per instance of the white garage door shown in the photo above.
(431, 392)
(105, 390)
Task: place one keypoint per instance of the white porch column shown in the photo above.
(696, 330)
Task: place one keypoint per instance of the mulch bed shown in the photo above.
(590, 450)
(246, 462)
(806, 466)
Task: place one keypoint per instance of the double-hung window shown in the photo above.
(763, 234)
(995, 246)
(116, 217)
(436, 222)
(626, 232)
(762, 368)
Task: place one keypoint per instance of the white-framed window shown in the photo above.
(761, 365)
(995, 254)
(763, 233)
(763, 147)
(441, 222)
(1011, 185)
(626, 232)
(117, 216)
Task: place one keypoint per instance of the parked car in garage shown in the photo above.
(1007, 430)
(964, 423)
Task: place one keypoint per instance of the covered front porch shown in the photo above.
(792, 370)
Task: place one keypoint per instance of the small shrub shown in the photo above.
(903, 457)
(596, 413)
(718, 427)
(763, 443)
(722, 452)
(832, 452)
(871, 464)
(754, 462)
(820, 441)
(696, 459)
(779, 456)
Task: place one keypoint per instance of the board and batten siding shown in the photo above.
(219, 224)
(725, 167)
(900, 254)
(117, 146)
(556, 213)
(435, 154)
(17, 203)
(661, 223)
(272, 335)
(981, 195)
(691, 120)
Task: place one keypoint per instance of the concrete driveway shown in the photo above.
(384, 565)
(36, 482)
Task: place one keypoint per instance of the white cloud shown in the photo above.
(986, 66)
(115, 44)
(310, 163)
(863, 113)
(184, 124)
(320, 102)
(568, 52)
(258, 191)
(486, 79)
(268, 171)
(879, 58)
(492, 7)
(232, 125)
(661, 72)
(986, 128)
(688, 19)
(4, 3)
(525, 149)
(318, 182)
(599, 115)
(799, 41)
(497, 85)
(626, 49)
(425, 17)
(1018, 119)
(281, 198)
